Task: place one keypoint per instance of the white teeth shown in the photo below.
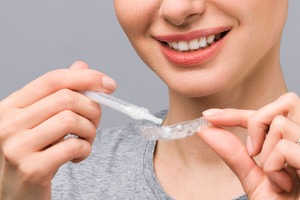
(202, 42)
(175, 45)
(183, 45)
(210, 39)
(194, 44)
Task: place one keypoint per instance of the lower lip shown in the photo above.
(194, 57)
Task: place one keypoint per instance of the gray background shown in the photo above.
(38, 36)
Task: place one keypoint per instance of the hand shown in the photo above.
(34, 122)
(274, 131)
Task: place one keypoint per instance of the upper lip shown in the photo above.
(192, 35)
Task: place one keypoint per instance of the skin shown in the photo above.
(35, 119)
(242, 75)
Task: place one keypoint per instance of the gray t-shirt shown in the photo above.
(119, 167)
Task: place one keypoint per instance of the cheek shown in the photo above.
(259, 28)
(263, 20)
(257, 16)
(135, 16)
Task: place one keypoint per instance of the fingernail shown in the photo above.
(213, 112)
(249, 145)
(109, 83)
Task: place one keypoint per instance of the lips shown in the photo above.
(193, 48)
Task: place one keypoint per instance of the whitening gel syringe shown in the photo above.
(139, 113)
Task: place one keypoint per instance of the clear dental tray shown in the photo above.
(173, 132)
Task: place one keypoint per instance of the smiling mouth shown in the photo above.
(195, 44)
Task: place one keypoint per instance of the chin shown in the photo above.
(195, 88)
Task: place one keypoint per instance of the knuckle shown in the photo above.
(65, 97)
(290, 99)
(7, 130)
(52, 77)
(281, 146)
(253, 120)
(79, 148)
(97, 111)
(86, 149)
(82, 63)
(11, 124)
(95, 115)
(92, 78)
(10, 153)
(67, 119)
(93, 133)
(267, 169)
(278, 122)
(74, 147)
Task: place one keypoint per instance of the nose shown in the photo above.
(179, 12)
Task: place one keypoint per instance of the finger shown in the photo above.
(231, 118)
(71, 149)
(79, 65)
(284, 153)
(293, 102)
(58, 127)
(228, 117)
(281, 128)
(84, 79)
(258, 125)
(234, 154)
(59, 101)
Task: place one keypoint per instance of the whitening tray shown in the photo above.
(152, 132)
(176, 131)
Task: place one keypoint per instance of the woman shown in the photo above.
(211, 54)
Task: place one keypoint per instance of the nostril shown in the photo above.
(180, 12)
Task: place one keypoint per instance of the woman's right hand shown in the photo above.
(34, 122)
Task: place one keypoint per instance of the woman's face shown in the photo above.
(200, 47)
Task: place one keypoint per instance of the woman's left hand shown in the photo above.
(274, 133)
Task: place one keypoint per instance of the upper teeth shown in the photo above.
(195, 43)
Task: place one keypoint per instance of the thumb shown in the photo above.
(79, 65)
(234, 153)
